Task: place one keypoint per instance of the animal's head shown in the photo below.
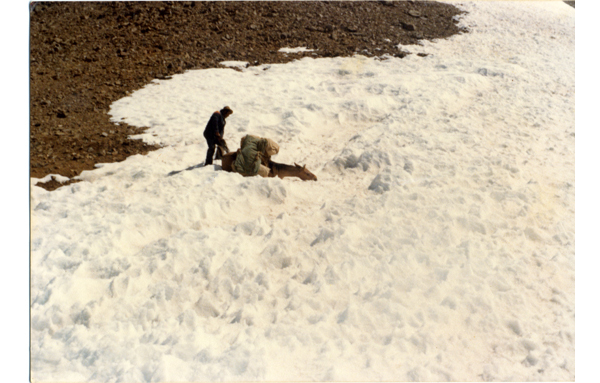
(304, 174)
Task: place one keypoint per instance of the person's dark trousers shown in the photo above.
(212, 144)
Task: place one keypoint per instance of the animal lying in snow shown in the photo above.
(254, 158)
(275, 169)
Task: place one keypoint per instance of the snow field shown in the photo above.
(437, 244)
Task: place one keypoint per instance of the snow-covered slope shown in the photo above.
(437, 244)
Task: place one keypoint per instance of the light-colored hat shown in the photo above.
(272, 147)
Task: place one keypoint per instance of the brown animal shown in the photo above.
(275, 169)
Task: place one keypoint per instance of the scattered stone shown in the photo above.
(408, 27)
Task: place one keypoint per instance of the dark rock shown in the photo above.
(401, 54)
(408, 27)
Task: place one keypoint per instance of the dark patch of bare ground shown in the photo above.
(86, 55)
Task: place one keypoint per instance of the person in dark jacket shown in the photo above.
(214, 133)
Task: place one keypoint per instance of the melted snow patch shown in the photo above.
(295, 50)
(235, 64)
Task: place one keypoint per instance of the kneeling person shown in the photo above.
(254, 156)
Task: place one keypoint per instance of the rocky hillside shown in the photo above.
(86, 55)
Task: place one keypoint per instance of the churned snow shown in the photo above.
(437, 243)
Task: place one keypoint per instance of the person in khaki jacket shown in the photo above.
(270, 149)
(254, 156)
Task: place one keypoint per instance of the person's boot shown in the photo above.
(209, 157)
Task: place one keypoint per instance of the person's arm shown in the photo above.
(221, 126)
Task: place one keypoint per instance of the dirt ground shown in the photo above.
(86, 55)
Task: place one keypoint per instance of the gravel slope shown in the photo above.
(86, 55)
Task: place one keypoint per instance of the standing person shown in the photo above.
(214, 132)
